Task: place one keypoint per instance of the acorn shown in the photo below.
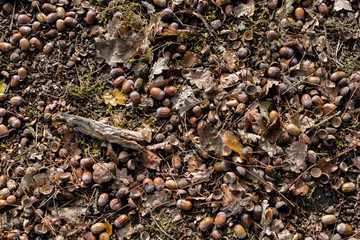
(286, 52)
(220, 220)
(293, 130)
(135, 98)
(273, 72)
(86, 177)
(202, 6)
(121, 221)
(116, 72)
(222, 3)
(89, 236)
(15, 81)
(87, 163)
(197, 111)
(271, 36)
(119, 81)
(60, 25)
(257, 212)
(245, 219)
(14, 122)
(163, 112)
(22, 73)
(48, 48)
(299, 14)
(337, 76)
(170, 90)
(344, 229)
(185, 205)
(181, 49)
(115, 204)
(166, 14)
(41, 17)
(24, 19)
(323, 9)
(348, 187)
(36, 43)
(14, 234)
(322, 236)
(128, 86)
(11, 199)
(90, 17)
(52, 18)
(240, 231)
(16, 101)
(160, 3)
(206, 224)
(24, 44)
(229, 9)
(60, 12)
(328, 219)
(15, 38)
(176, 162)
(272, 4)
(273, 115)
(48, 8)
(103, 199)
(104, 236)
(157, 93)
(159, 183)
(173, 27)
(71, 22)
(148, 185)
(98, 228)
(3, 112)
(216, 235)
(8, 7)
(171, 184)
(317, 101)
(306, 101)
(2, 204)
(6, 47)
(71, 14)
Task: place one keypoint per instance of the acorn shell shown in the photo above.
(206, 224)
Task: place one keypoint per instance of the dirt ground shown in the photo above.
(179, 119)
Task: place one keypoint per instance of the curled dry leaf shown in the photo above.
(342, 4)
(233, 142)
(300, 188)
(150, 160)
(159, 66)
(245, 10)
(231, 59)
(116, 98)
(228, 80)
(185, 100)
(190, 59)
(102, 173)
(71, 214)
(296, 155)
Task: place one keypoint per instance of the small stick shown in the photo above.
(347, 104)
(161, 229)
(12, 16)
(323, 121)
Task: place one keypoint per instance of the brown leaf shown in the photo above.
(301, 188)
(150, 160)
(190, 60)
(296, 155)
(102, 173)
(342, 4)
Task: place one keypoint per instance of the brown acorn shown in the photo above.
(286, 52)
(157, 93)
(115, 204)
(163, 112)
(148, 185)
(104, 236)
(71, 22)
(344, 229)
(60, 25)
(229, 9)
(185, 205)
(206, 224)
(222, 3)
(170, 90)
(90, 17)
(171, 184)
(6, 47)
(271, 36)
(15, 82)
(348, 187)
(202, 6)
(166, 14)
(24, 19)
(176, 162)
(16, 101)
(14, 122)
(116, 72)
(48, 48)
(87, 163)
(60, 12)
(273, 72)
(86, 177)
(323, 9)
(240, 231)
(51, 18)
(317, 101)
(128, 86)
(119, 81)
(36, 43)
(245, 219)
(8, 7)
(306, 101)
(160, 3)
(70, 14)
(337, 76)
(293, 130)
(135, 98)
(103, 199)
(159, 183)
(216, 235)
(121, 221)
(48, 8)
(272, 4)
(220, 220)
(328, 219)
(98, 228)
(15, 38)
(299, 14)
(257, 212)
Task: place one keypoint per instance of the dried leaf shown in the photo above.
(210, 139)
(342, 4)
(245, 10)
(231, 59)
(184, 101)
(117, 98)
(300, 188)
(150, 160)
(102, 173)
(108, 227)
(200, 77)
(248, 138)
(233, 142)
(159, 66)
(296, 155)
(71, 214)
(229, 80)
(2, 87)
(190, 59)
(123, 178)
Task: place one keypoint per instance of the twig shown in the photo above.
(323, 121)
(347, 104)
(12, 16)
(161, 229)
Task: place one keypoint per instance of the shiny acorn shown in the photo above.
(240, 231)
(163, 112)
(206, 224)
(185, 205)
(293, 130)
(176, 162)
(48, 8)
(306, 101)
(36, 43)
(348, 187)
(344, 229)
(157, 93)
(24, 44)
(323, 9)
(15, 38)
(286, 52)
(90, 17)
(299, 14)
(23, 19)
(170, 90)
(14, 122)
(70, 22)
(121, 221)
(216, 235)
(103, 199)
(337, 76)
(220, 220)
(98, 228)
(128, 86)
(328, 219)
(273, 72)
(148, 185)
(166, 14)
(6, 47)
(135, 98)
(160, 3)
(159, 183)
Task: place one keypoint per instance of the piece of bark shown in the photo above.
(95, 129)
